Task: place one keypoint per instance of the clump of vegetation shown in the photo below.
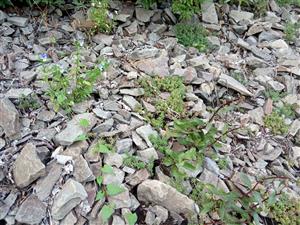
(288, 2)
(109, 190)
(291, 31)
(29, 102)
(287, 110)
(103, 147)
(99, 15)
(285, 211)
(136, 163)
(242, 206)
(192, 35)
(171, 107)
(67, 88)
(194, 142)
(186, 8)
(274, 95)
(146, 3)
(275, 122)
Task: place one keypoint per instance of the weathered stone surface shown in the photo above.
(7, 203)
(143, 15)
(209, 13)
(82, 171)
(74, 130)
(9, 118)
(212, 178)
(121, 200)
(27, 167)
(239, 15)
(230, 82)
(32, 211)
(156, 192)
(16, 93)
(71, 194)
(44, 186)
(145, 132)
(18, 21)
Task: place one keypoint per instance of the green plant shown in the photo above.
(103, 147)
(239, 77)
(131, 218)
(186, 8)
(73, 86)
(107, 211)
(171, 107)
(291, 31)
(84, 123)
(239, 206)
(109, 189)
(194, 141)
(99, 15)
(274, 95)
(192, 35)
(287, 110)
(29, 102)
(285, 211)
(288, 2)
(275, 122)
(136, 163)
(146, 3)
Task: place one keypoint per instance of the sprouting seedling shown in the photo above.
(84, 123)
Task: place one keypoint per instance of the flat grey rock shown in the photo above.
(143, 15)
(18, 21)
(45, 185)
(71, 194)
(27, 167)
(9, 118)
(156, 192)
(145, 132)
(209, 13)
(230, 82)
(32, 211)
(74, 130)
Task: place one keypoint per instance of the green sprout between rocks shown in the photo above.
(135, 162)
(29, 102)
(192, 35)
(66, 88)
(99, 15)
(274, 95)
(275, 122)
(194, 142)
(291, 31)
(242, 205)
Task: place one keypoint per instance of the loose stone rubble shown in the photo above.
(51, 176)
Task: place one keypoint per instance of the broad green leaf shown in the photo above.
(81, 137)
(188, 166)
(272, 199)
(131, 218)
(107, 169)
(245, 180)
(114, 189)
(99, 180)
(106, 212)
(100, 195)
(256, 219)
(207, 207)
(102, 148)
(84, 123)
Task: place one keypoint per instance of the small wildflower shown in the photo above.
(43, 57)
